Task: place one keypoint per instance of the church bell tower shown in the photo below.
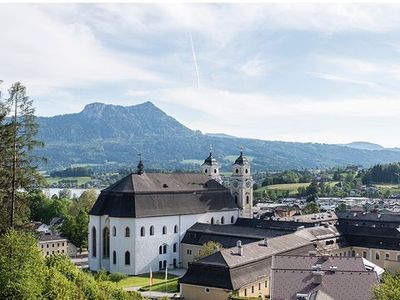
(210, 167)
(241, 186)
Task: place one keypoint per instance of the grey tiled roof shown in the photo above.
(43, 237)
(290, 275)
(162, 194)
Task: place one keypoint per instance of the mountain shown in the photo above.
(364, 146)
(111, 136)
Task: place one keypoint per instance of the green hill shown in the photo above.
(111, 136)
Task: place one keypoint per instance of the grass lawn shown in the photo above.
(171, 286)
(144, 279)
(81, 180)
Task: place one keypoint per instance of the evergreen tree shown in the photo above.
(18, 165)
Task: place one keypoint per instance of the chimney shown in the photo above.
(317, 276)
(333, 269)
(265, 242)
(240, 248)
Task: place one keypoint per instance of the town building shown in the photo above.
(299, 277)
(139, 222)
(51, 243)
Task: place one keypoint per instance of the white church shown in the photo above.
(139, 222)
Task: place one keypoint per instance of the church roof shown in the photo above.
(163, 194)
(210, 160)
(241, 160)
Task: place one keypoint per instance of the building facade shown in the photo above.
(139, 222)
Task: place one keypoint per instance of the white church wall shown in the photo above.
(94, 262)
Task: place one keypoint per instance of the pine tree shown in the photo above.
(18, 165)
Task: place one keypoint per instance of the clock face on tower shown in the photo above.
(248, 183)
(235, 184)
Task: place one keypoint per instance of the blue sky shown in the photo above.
(308, 73)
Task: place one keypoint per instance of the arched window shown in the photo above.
(176, 229)
(127, 258)
(106, 243)
(127, 232)
(165, 249)
(236, 199)
(247, 199)
(114, 257)
(142, 231)
(152, 230)
(232, 219)
(164, 230)
(205, 171)
(246, 171)
(212, 220)
(160, 250)
(377, 255)
(222, 220)
(94, 242)
(215, 171)
(114, 231)
(175, 247)
(237, 171)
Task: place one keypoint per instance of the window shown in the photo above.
(205, 171)
(160, 250)
(174, 263)
(42, 246)
(63, 244)
(252, 289)
(266, 284)
(176, 229)
(207, 290)
(127, 258)
(236, 199)
(377, 255)
(232, 219)
(58, 244)
(398, 257)
(237, 171)
(215, 171)
(364, 254)
(247, 199)
(259, 286)
(245, 292)
(48, 244)
(165, 249)
(164, 230)
(47, 253)
(62, 250)
(94, 244)
(106, 243)
(353, 253)
(152, 230)
(114, 231)
(160, 265)
(114, 257)
(212, 220)
(142, 231)
(387, 256)
(222, 220)
(164, 264)
(189, 252)
(175, 246)
(128, 232)
(58, 251)
(247, 171)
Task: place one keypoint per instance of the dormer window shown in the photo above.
(237, 171)
(205, 171)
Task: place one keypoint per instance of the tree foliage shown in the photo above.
(311, 208)
(26, 274)
(17, 142)
(209, 248)
(389, 289)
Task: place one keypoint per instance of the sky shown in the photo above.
(291, 72)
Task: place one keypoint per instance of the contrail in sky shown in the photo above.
(195, 62)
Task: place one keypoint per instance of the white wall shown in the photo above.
(144, 251)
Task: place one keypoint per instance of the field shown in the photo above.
(143, 280)
(291, 187)
(81, 180)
